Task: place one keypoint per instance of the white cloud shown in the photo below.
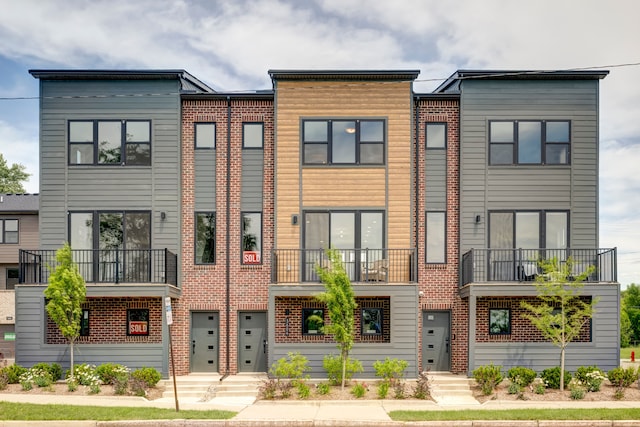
(19, 147)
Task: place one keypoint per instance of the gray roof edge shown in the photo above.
(337, 74)
(19, 202)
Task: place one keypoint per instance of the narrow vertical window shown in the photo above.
(109, 142)
(84, 323)
(251, 238)
(13, 275)
(205, 135)
(205, 237)
(436, 237)
(252, 135)
(138, 143)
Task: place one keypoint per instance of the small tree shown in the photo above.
(12, 177)
(341, 304)
(560, 312)
(66, 293)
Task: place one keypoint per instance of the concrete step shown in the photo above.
(451, 389)
(206, 387)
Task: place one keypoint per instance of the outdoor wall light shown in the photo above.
(478, 218)
(163, 215)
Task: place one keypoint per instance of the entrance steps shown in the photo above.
(204, 387)
(451, 389)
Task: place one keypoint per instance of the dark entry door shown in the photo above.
(252, 341)
(204, 341)
(436, 348)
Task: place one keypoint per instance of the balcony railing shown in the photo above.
(361, 265)
(521, 265)
(104, 266)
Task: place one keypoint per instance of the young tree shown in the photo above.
(560, 312)
(66, 293)
(11, 178)
(341, 304)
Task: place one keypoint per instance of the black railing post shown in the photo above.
(166, 266)
(117, 278)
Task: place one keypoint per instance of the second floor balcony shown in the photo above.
(522, 265)
(361, 265)
(104, 266)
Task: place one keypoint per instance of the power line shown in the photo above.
(427, 80)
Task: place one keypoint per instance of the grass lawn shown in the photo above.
(625, 353)
(30, 412)
(519, 414)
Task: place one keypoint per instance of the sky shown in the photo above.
(230, 45)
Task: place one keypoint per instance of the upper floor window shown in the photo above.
(205, 237)
(110, 142)
(529, 142)
(252, 135)
(436, 135)
(528, 229)
(436, 237)
(205, 135)
(343, 142)
(8, 231)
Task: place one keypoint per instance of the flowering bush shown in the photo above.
(37, 376)
(591, 377)
(85, 374)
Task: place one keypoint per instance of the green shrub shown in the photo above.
(399, 389)
(109, 372)
(148, 376)
(621, 377)
(539, 388)
(359, 389)
(390, 369)
(333, 365)
(591, 377)
(488, 377)
(383, 389)
(323, 389)
(577, 393)
(36, 375)
(138, 386)
(514, 388)
(54, 370)
(13, 373)
(4, 380)
(422, 389)
(85, 374)
(292, 367)
(303, 389)
(120, 384)
(72, 384)
(551, 377)
(521, 376)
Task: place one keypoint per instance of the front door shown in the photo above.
(204, 341)
(436, 348)
(252, 341)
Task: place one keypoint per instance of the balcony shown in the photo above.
(521, 265)
(98, 266)
(362, 265)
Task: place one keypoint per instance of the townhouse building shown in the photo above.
(439, 203)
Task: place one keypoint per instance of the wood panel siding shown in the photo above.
(155, 188)
(388, 187)
(571, 187)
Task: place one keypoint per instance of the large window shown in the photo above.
(110, 142)
(343, 142)
(358, 235)
(529, 142)
(123, 240)
(8, 231)
(528, 229)
(251, 238)
(436, 237)
(205, 237)
(205, 135)
(252, 135)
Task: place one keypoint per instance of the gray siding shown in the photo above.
(154, 188)
(252, 180)
(205, 180)
(436, 180)
(603, 350)
(572, 187)
(30, 344)
(404, 330)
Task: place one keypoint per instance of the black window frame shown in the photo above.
(380, 326)
(95, 144)
(95, 226)
(426, 135)
(195, 135)
(3, 232)
(426, 238)
(306, 313)
(85, 323)
(359, 141)
(10, 284)
(542, 217)
(195, 240)
(509, 321)
(139, 318)
(259, 243)
(544, 143)
(244, 140)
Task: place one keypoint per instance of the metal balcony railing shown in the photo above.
(104, 266)
(361, 265)
(522, 265)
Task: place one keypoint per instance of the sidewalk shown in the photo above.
(312, 413)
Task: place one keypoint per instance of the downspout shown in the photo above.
(228, 244)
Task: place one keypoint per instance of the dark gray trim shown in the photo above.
(403, 75)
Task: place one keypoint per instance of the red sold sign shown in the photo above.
(251, 257)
